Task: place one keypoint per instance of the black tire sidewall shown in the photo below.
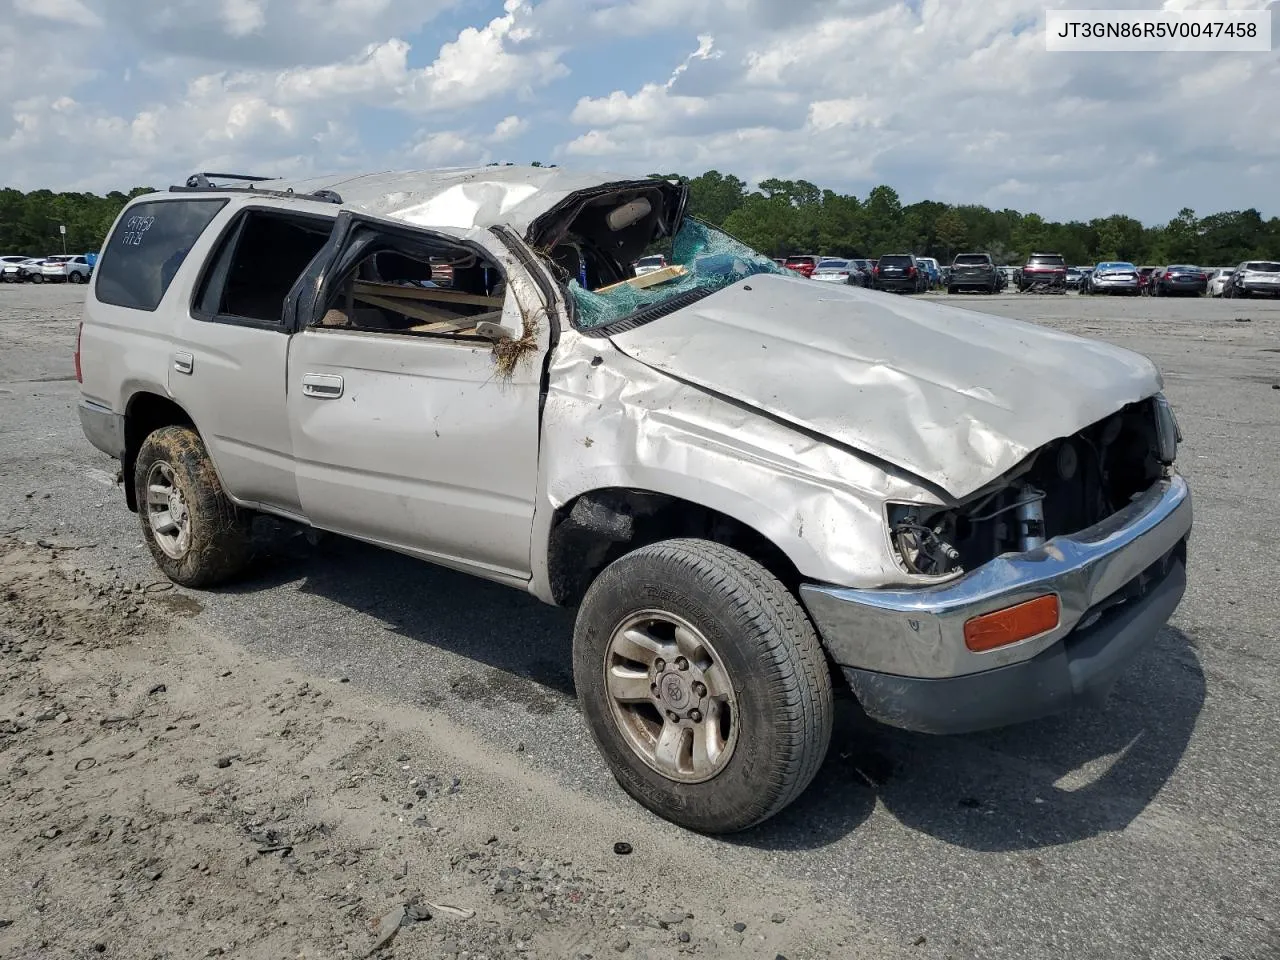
(219, 546)
(745, 792)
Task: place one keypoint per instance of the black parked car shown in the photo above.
(1179, 279)
(864, 272)
(899, 273)
(973, 271)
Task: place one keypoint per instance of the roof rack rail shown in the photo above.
(199, 183)
(203, 179)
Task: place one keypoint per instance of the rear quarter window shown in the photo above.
(146, 249)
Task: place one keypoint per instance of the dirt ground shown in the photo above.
(187, 772)
(165, 795)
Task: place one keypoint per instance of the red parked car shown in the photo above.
(803, 264)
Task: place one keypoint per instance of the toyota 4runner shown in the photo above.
(748, 485)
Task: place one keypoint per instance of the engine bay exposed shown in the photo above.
(1066, 486)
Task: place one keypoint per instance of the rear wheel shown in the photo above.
(197, 536)
(953, 290)
(37, 278)
(703, 683)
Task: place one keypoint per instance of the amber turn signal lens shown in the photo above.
(1003, 627)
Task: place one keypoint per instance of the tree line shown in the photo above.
(783, 217)
(29, 222)
(795, 216)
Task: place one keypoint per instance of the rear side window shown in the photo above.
(147, 248)
(257, 265)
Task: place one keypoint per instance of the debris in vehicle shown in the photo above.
(85, 763)
(622, 848)
(158, 688)
(223, 762)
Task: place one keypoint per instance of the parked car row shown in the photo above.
(59, 268)
(1042, 272)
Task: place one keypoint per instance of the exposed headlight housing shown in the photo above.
(1168, 435)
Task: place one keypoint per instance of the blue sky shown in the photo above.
(953, 100)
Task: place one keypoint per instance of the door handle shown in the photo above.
(322, 386)
(184, 362)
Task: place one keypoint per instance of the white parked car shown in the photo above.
(63, 268)
(21, 269)
(650, 264)
(735, 477)
(1218, 280)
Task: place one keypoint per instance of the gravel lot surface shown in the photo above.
(301, 712)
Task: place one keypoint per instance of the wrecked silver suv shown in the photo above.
(748, 485)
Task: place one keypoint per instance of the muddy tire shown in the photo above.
(703, 684)
(197, 536)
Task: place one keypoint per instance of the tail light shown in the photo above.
(1168, 275)
(79, 373)
(911, 271)
(875, 271)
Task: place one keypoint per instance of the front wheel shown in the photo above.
(37, 278)
(197, 536)
(703, 684)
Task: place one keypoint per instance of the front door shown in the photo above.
(406, 430)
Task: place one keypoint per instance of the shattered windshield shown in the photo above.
(703, 260)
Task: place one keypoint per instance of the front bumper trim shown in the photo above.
(919, 632)
(1080, 670)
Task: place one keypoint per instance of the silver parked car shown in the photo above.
(738, 480)
(1115, 276)
(834, 270)
(1254, 278)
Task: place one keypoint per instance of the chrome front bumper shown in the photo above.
(1118, 582)
(920, 632)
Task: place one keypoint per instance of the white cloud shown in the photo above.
(449, 147)
(508, 128)
(485, 61)
(244, 17)
(71, 12)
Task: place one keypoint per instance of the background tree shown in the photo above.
(781, 217)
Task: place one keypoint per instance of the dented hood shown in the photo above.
(953, 396)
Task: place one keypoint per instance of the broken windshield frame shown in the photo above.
(703, 261)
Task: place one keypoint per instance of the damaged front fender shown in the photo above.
(611, 423)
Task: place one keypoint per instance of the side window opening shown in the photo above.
(259, 263)
(438, 291)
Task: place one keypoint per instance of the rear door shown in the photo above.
(227, 365)
(411, 434)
